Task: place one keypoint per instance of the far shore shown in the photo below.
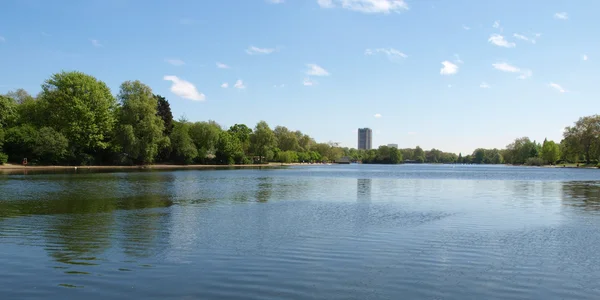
(143, 167)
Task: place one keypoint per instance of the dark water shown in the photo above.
(327, 232)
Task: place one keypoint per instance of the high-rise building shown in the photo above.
(365, 139)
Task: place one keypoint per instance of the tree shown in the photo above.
(520, 150)
(20, 96)
(419, 155)
(550, 152)
(163, 110)
(585, 134)
(140, 129)
(286, 139)
(229, 149)
(263, 141)
(242, 133)
(184, 150)
(19, 142)
(50, 146)
(81, 108)
(8, 111)
(460, 158)
(205, 136)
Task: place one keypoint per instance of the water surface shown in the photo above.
(317, 232)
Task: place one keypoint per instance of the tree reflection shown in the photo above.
(265, 189)
(363, 189)
(584, 195)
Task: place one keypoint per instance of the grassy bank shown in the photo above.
(144, 167)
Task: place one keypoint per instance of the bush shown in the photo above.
(3, 158)
(534, 161)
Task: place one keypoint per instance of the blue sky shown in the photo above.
(451, 75)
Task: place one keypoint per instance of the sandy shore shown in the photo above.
(144, 167)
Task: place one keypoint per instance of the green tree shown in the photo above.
(550, 152)
(229, 149)
(163, 109)
(20, 142)
(205, 136)
(419, 155)
(50, 146)
(478, 156)
(286, 139)
(242, 133)
(20, 96)
(141, 129)
(184, 149)
(585, 134)
(8, 111)
(460, 158)
(81, 108)
(263, 141)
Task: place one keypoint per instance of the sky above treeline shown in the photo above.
(451, 75)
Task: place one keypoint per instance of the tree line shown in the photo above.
(75, 120)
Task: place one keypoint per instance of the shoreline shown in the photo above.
(9, 167)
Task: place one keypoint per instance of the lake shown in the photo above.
(306, 232)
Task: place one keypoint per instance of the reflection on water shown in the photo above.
(584, 195)
(354, 232)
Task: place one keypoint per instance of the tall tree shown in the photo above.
(586, 133)
(205, 136)
(263, 141)
(8, 111)
(419, 154)
(184, 150)
(141, 129)
(164, 112)
(242, 133)
(229, 149)
(81, 108)
(550, 152)
(20, 96)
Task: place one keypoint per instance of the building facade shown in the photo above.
(365, 139)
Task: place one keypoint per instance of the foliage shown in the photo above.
(229, 149)
(3, 158)
(534, 161)
(50, 146)
(140, 129)
(263, 141)
(19, 142)
(205, 136)
(184, 150)
(8, 111)
(81, 108)
(550, 152)
(584, 137)
(163, 110)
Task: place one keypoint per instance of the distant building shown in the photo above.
(365, 139)
(393, 146)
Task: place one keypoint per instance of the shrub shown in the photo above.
(534, 161)
(3, 158)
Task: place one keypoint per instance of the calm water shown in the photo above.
(323, 232)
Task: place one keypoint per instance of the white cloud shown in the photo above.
(316, 70)
(275, 1)
(367, 6)
(449, 68)
(239, 84)
(499, 40)
(222, 66)
(391, 53)
(175, 61)
(255, 50)
(484, 85)
(584, 57)
(504, 67)
(496, 24)
(225, 85)
(561, 16)
(184, 89)
(465, 27)
(557, 87)
(524, 38)
(2, 39)
(309, 82)
(95, 43)
(377, 115)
